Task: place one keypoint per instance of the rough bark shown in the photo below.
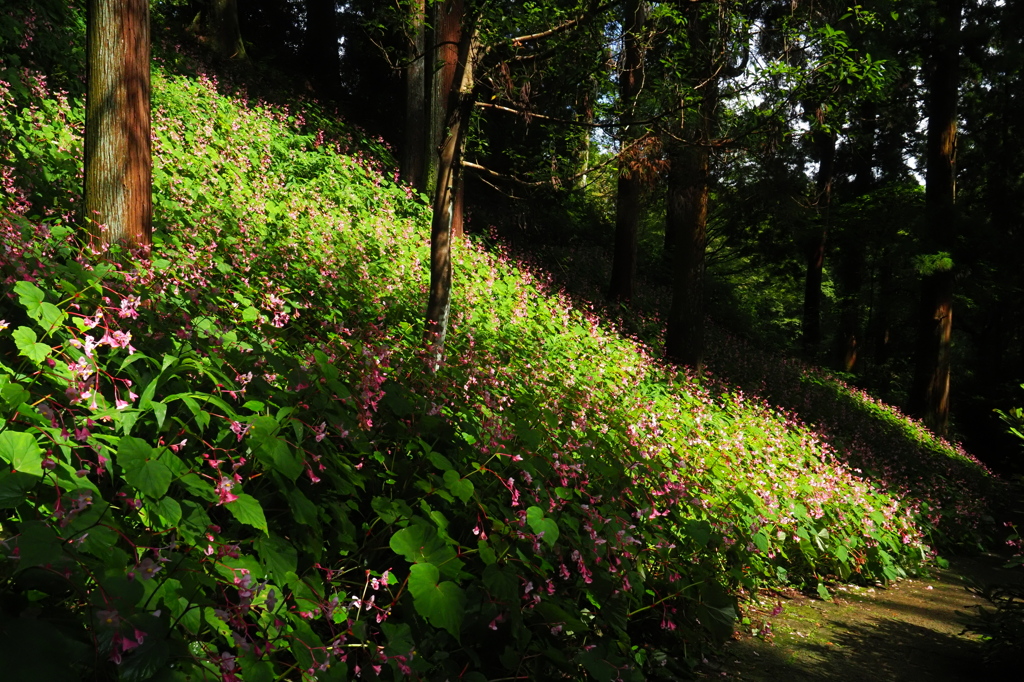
(688, 213)
(225, 34)
(443, 38)
(449, 181)
(118, 160)
(850, 269)
(415, 152)
(881, 312)
(929, 398)
(825, 149)
(627, 201)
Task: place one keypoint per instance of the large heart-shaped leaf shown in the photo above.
(543, 526)
(442, 604)
(22, 452)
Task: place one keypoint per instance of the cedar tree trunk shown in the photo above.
(687, 217)
(850, 269)
(825, 149)
(627, 201)
(449, 181)
(929, 398)
(225, 34)
(414, 156)
(443, 40)
(118, 160)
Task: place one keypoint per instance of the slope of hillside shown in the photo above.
(231, 459)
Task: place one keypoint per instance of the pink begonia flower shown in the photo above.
(239, 429)
(223, 488)
(128, 307)
(147, 568)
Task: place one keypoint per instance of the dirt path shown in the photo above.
(908, 632)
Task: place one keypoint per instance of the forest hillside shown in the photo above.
(232, 456)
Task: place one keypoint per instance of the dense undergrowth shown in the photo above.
(231, 459)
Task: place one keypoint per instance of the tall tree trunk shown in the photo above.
(321, 46)
(448, 186)
(414, 156)
(443, 40)
(825, 149)
(225, 34)
(627, 200)
(929, 397)
(850, 268)
(118, 160)
(881, 314)
(688, 212)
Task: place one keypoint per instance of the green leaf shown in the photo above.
(25, 340)
(542, 525)
(167, 510)
(442, 604)
(303, 510)
(152, 478)
(487, 554)
(160, 410)
(278, 555)
(502, 583)
(38, 545)
(12, 394)
(272, 450)
(400, 641)
(419, 543)
(699, 531)
(14, 486)
(248, 511)
(250, 314)
(823, 593)
(260, 671)
(51, 317)
(761, 541)
(390, 510)
(440, 461)
(600, 669)
(31, 298)
(132, 452)
(22, 452)
(460, 487)
(146, 661)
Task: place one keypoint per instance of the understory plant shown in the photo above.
(234, 458)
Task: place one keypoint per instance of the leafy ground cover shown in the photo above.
(233, 458)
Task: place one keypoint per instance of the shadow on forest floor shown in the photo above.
(910, 631)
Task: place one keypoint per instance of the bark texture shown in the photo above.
(687, 212)
(415, 152)
(118, 159)
(443, 40)
(825, 149)
(627, 200)
(448, 188)
(930, 392)
(850, 269)
(225, 34)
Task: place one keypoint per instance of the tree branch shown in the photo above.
(516, 42)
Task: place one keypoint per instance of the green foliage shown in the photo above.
(233, 460)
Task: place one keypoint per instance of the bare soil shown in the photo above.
(909, 631)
